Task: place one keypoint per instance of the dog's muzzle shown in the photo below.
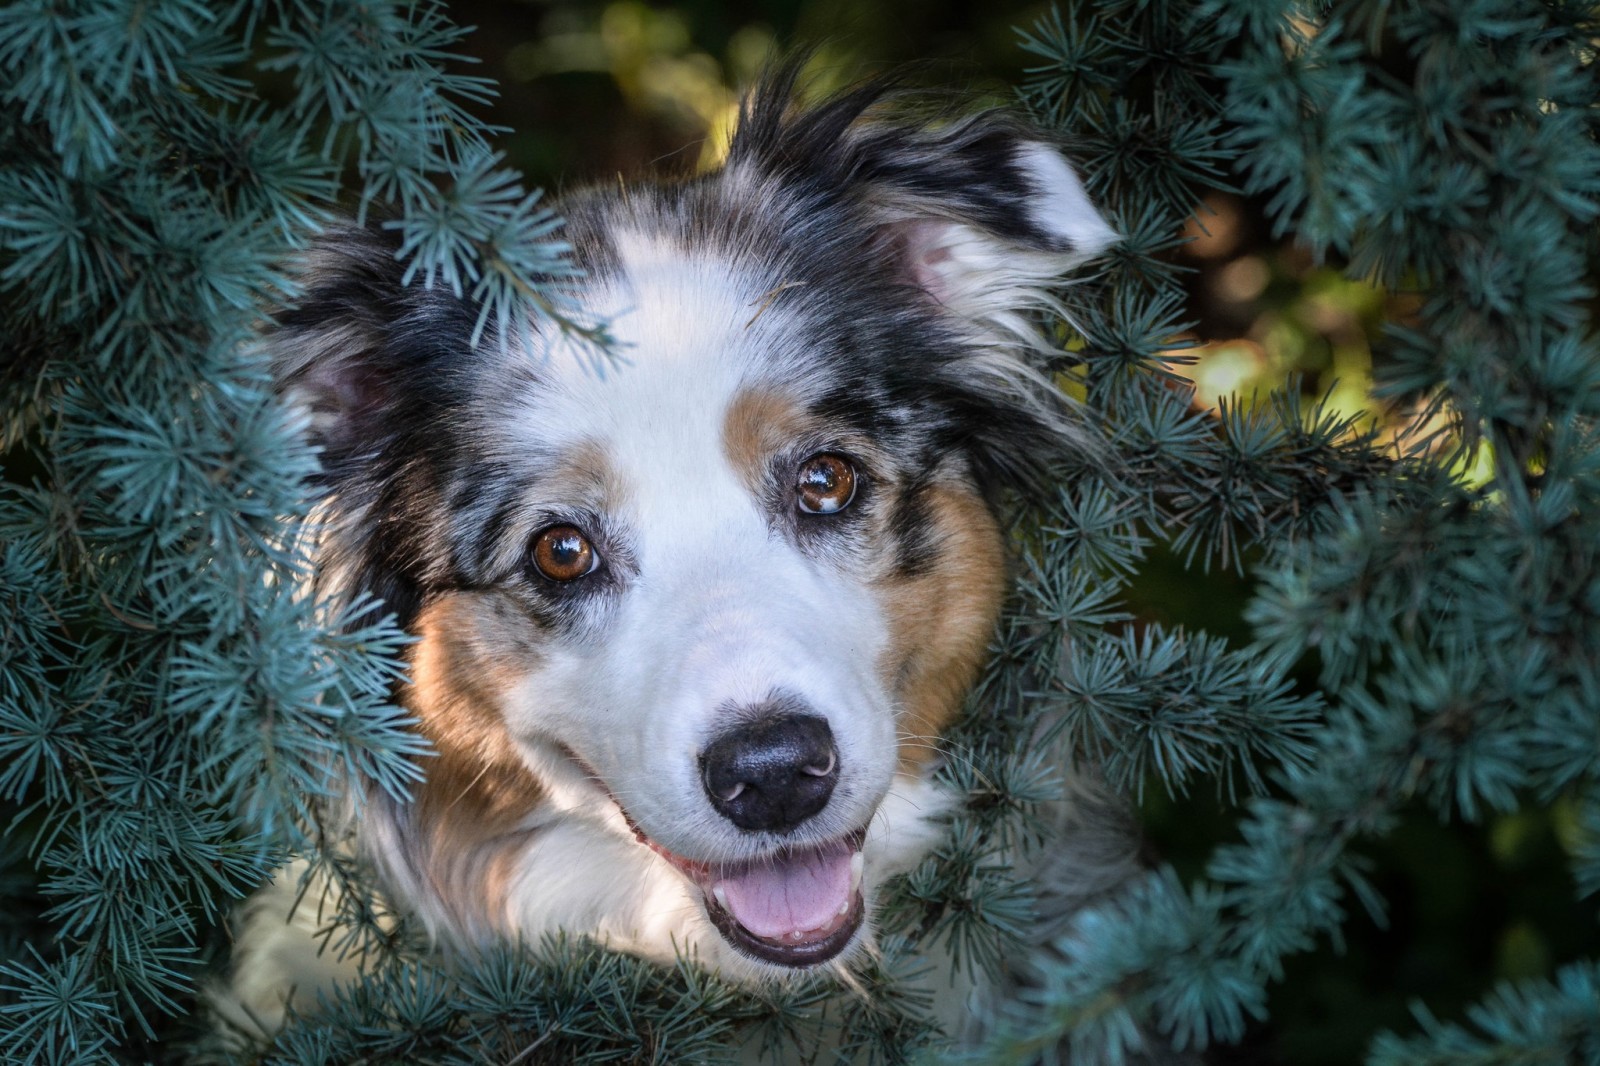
(796, 905)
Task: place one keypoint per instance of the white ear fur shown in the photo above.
(984, 276)
(1060, 206)
(975, 274)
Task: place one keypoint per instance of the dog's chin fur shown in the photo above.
(853, 287)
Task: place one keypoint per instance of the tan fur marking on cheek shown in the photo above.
(757, 424)
(941, 621)
(474, 648)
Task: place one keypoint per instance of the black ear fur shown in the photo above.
(365, 354)
(376, 365)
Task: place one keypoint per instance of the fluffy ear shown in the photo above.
(1052, 227)
(360, 351)
(982, 214)
(376, 365)
(985, 210)
(986, 216)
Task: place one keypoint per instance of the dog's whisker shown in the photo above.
(468, 787)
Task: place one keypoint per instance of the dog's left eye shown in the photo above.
(825, 484)
(563, 553)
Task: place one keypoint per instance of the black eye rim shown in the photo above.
(595, 559)
(856, 479)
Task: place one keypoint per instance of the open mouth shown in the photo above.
(796, 907)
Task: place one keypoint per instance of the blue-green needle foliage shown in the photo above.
(1446, 150)
(173, 705)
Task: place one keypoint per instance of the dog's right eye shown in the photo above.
(825, 484)
(563, 553)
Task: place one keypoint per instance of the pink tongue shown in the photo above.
(775, 897)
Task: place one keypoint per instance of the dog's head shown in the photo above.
(721, 598)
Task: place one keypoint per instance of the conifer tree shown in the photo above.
(171, 703)
(1446, 150)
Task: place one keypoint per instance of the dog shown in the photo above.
(688, 626)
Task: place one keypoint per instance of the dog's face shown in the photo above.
(719, 600)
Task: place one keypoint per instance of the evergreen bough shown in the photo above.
(171, 702)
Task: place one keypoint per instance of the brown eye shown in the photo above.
(826, 484)
(563, 553)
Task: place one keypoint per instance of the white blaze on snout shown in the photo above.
(717, 610)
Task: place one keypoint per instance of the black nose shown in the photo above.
(772, 773)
